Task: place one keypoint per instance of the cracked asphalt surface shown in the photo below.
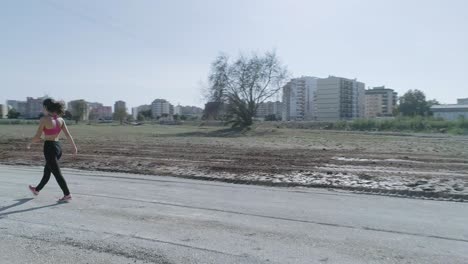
(126, 218)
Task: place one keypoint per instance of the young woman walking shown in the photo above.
(51, 125)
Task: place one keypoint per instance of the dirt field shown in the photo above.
(430, 165)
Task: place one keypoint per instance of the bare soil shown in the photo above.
(430, 165)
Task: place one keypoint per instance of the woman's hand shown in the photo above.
(75, 152)
(35, 140)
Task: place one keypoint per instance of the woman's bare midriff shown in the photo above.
(51, 138)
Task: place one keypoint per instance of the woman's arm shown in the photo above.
(37, 136)
(68, 135)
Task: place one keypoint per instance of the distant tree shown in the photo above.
(140, 117)
(396, 111)
(13, 114)
(244, 84)
(148, 115)
(79, 109)
(130, 118)
(120, 115)
(413, 103)
(271, 118)
(183, 117)
(431, 103)
(93, 115)
(176, 117)
(214, 110)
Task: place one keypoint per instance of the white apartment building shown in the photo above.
(34, 107)
(339, 98)
(298, 99)
(160, 107)
(19, 106)
(3, 110)
(135, 113)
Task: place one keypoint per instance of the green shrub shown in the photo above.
(407, 124)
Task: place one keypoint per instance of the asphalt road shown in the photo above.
(123, 218)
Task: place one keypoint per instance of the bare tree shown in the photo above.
(244, 84)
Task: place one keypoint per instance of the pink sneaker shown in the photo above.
(33, 190)
(65, 199)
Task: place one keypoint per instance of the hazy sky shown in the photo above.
(139, 50)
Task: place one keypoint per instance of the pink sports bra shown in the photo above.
(55, 130)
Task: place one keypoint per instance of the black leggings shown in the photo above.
(52, 153)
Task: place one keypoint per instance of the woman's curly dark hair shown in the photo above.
(54, 107)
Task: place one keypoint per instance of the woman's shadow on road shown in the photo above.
(21, 202)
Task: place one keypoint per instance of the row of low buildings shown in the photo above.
(158, 108)
(32, 108)
(163, 108)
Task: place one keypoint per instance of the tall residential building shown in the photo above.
(34, 107)
(22, 109)
(13, 104)
(269, 109)
(135, 113)
(462, 101)
(160, 107)
(3, 110)
(339, 98)
(298, 99)
(171, 109)
(380, 101)
(120, 105)
(19, 106)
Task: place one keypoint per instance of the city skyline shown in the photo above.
(113, 50)
(90, 103)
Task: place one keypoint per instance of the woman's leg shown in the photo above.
(53, 152)
(54, 167)
(45, 178)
